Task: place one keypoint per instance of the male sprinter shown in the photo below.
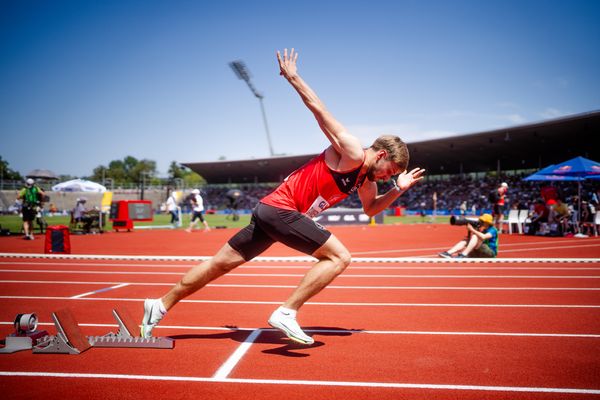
(285, 214)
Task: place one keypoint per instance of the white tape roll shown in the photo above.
(26, 322)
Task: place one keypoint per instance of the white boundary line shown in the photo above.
(234, 285)
(504, 246)
(318, 303)
(404, 276)
(306, 259)
(350, 331)
(303, 267)
(394, 385)
(237, 355)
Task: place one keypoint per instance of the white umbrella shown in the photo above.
(79, 185)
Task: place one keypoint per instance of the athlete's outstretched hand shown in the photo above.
(406, 180)
(287, 64)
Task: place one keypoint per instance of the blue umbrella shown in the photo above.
(576, 169)
(578, 166)
(561, 178)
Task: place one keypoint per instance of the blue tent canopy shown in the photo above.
(577, 169)
(578, 166)
(560, 178)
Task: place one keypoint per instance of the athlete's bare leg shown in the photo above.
(333, 259)
(199, 276)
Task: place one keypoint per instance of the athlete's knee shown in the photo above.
(341, 260)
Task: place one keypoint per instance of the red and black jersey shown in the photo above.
(314, 187)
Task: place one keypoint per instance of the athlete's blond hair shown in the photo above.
(396, 149)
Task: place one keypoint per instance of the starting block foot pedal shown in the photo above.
(68, 340)
(127, 335)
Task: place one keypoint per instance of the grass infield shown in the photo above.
(14, 223)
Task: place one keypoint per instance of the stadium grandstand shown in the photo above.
(462, 168)
(524, 147)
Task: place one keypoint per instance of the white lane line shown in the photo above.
(301, 275)
(454, 267)
(228, 366)
(319, 303)
(504, 245)
(394, 385)
(100, 290)
(434, 260)
(351, 331)
(551, 248)
(233, 285)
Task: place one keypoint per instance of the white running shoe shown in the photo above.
(152, 316)
(287, 324)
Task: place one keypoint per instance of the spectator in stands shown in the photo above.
(498, 200)
(197, 211)
(52, 209)
(480, 242)
(286, 214)
(80, 214)
(549, 193)
(31, 199)
(559, 214)
(538, 216)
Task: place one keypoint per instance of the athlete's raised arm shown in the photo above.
(348, 146)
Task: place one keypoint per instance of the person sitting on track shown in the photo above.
(285, 215)
(479, 243)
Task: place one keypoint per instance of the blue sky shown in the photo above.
(86, 82)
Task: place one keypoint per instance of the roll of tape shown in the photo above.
(26, 323)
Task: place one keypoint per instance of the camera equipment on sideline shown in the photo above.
(454, 220)
(234, 196)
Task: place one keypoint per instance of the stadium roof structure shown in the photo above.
(529, 146)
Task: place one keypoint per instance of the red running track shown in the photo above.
(389, 330)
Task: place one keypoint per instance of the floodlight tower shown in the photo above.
(242, 72)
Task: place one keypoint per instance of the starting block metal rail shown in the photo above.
(125, 337)
(70, 340)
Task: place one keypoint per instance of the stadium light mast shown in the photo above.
(242, 72)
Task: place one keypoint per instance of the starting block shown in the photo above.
(126, 336)
(24, 335)
(70, 340)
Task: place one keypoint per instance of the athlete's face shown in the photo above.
(382, 170)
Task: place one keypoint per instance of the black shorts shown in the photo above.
(498, 209)
(29, 213)
(197, 215)
(271, 224)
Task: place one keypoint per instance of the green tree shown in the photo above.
(6, 173)
(130, 170)
(178, 173)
